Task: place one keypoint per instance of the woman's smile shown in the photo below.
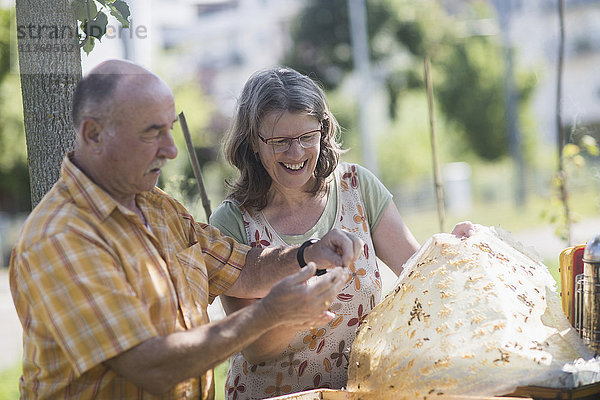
(294, 167)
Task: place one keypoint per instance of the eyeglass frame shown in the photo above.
(291, 139)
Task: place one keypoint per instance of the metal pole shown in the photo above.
(360, 54)
(512, 115)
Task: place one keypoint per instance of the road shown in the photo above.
(542, 239)
(10, 327)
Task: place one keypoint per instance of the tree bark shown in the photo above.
(50, 67)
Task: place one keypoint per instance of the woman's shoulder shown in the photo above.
(227, 217)
(362, 173)
(227, 206)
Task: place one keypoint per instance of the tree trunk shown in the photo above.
(50, 67)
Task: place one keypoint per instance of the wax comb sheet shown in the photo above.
(477, 316)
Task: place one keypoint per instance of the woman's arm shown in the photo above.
(394, 243)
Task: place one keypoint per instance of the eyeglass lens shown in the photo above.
(307, 140)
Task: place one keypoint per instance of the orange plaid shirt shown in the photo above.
(90, 281)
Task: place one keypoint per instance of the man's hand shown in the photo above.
(267, 266)
(157, 364)
(292, 302)
(336, 248)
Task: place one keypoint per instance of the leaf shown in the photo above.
(321, 345)
(120, 10)
(97, 27)
(570, 150)
(590, 145)
(336, 321)
(81, 10)
(578, 161)
(89, 45)
(327, 364)
(302, 367)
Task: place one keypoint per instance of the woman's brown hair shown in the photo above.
(272, 90)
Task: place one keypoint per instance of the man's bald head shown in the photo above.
(105, 86)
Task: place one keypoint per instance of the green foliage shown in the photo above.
(575, 158)
(321, 45)
(92, 16)
(401, 33)
(14, 176)
(472, 95)
(9, 383)
(5, 16)
(220, 377)
(206, 127)
(404, 150)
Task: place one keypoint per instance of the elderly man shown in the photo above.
(111, 277)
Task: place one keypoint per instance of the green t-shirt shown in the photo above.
(228, 219)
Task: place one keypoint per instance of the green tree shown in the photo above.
(472, 96)
(14, 177)
(401, 34)
(321, 39)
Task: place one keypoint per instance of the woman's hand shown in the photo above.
(336, 248)
(463, 229)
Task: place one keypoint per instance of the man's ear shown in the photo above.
(91, 133)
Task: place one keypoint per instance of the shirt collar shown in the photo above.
(89, 195)
(85, 193)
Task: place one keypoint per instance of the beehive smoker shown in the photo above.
(587, 304)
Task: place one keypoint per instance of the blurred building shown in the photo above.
(221, 42)
(216, 42)
(534, 33)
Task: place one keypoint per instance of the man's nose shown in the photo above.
(168, 148)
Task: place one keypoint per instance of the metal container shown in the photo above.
(590, 328)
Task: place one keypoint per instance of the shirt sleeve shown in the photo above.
(228, 219)
(221, 255)
(375, 195)
(76, 287)
(224, 256)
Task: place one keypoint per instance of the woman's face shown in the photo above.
(290, 170)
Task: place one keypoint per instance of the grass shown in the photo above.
(534, 214)
(9, 383)
(220, 376)
(505, 214)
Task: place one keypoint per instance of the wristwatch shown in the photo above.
(300, 255)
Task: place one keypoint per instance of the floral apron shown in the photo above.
(316, 358)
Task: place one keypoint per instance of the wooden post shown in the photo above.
(439, 190)
(195, 165)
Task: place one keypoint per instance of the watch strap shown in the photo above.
(300, 255)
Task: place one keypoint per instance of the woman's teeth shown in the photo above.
(294, 167)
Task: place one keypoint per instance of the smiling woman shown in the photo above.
(292, 190)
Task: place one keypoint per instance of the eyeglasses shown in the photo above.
(282, 144)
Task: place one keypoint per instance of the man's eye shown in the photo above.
(150, 136)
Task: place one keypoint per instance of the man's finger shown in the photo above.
(303, 275)
(331, 283)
